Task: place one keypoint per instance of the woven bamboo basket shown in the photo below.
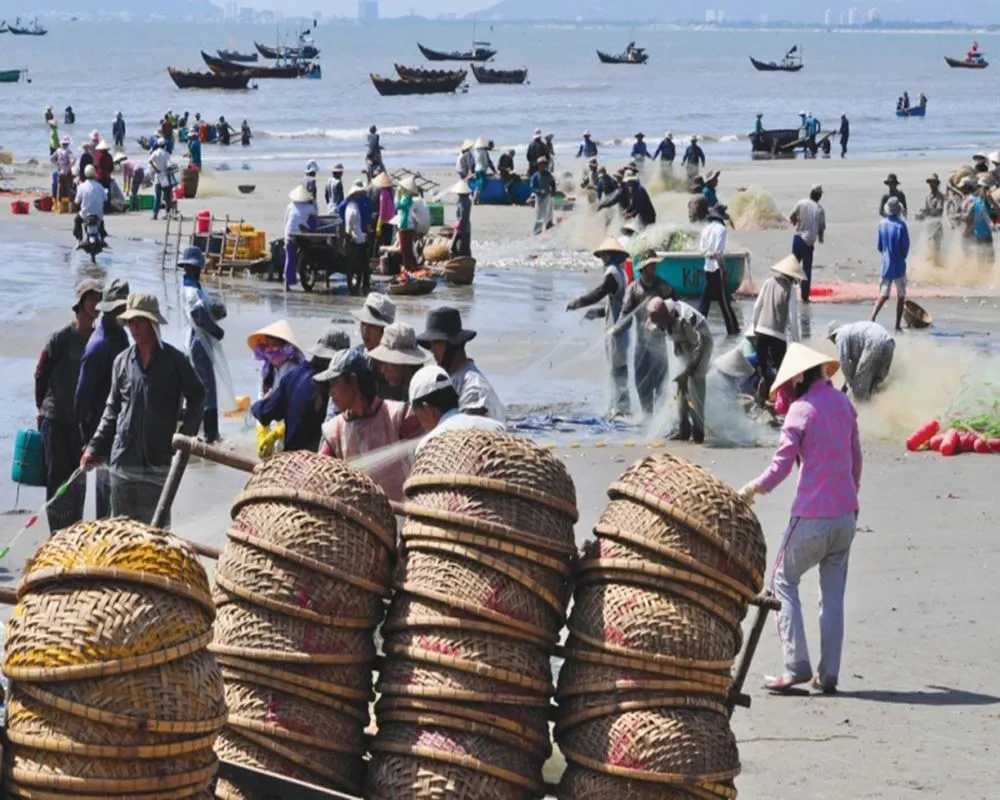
(587, 706)
(461, 271)
(197, 792)
(696, 499)
(351, 683)
(577, 651)
(666, 746)
(578, 677)
(578, 783)
(247, 630)
(87, 629)
(419, 761)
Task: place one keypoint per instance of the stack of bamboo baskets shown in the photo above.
(300, 589)
(113, 691)
(482, 590)
(656, 626)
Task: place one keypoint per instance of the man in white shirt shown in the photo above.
(90, 197)
(713, 248)
(359, 274)
(809, 220)
(435, 403)
(159, 163)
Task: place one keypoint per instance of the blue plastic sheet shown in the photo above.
(541, 422)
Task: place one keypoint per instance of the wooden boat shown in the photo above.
(235, 55)
(208, 80)
(912, 111)
(221, 66)
(771, 66)
(11, 75)
(632, 55)
(773, 144)
(411, 286)
(916, 316)
(32, 30)
(486, 75)
(963, 63)
(301, 53)
(419, 74)
(388, 87)
(481, 52)
(686, 271)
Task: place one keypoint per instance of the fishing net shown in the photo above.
(977, 404)
(755, 211)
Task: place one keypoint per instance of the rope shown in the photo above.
(34, 517)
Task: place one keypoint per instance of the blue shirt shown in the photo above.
(666, 149)
(587, 148)
(94, 382)
(294, 400)
(982, 230)
(543, 184)
(194, 148)
(894, 245)
(640, 149)
(711, 196)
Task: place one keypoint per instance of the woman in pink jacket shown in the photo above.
(820, 435)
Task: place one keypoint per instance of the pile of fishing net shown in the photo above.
(661, 593)
(755, 211)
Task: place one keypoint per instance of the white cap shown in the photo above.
(538, 132)
(426, 381)
(378, 310)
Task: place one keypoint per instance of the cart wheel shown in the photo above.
(307, 272)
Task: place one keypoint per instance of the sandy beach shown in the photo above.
(919, 706)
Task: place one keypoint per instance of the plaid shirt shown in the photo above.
(814, 435)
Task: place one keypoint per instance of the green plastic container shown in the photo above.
(28, 466)
(437, 213)
(145, 202)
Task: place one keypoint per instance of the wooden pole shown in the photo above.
(196, 447)
(765, 603)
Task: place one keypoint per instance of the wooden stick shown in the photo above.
(195, 447)
(765, 603)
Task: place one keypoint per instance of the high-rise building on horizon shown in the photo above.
(367, 11)
(828, 18)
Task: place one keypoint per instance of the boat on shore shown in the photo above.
(419, 74)
(222, 67)
(481, 51)
(236, 55)
(631, 55)
(964, 63)
(304, 52)
(389, 87)
(685, 271)
(11, 75)
(185, 79)
(509, 76)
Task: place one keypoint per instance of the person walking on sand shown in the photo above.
(543, 187)
(334, 191)
(159, 163)
(713, 248)
(892, 182)
(587, 148)
(406, 225)
(537, 150)
(893, 243)
(774, 321)
(845, 134)
(933, 212)
(56, 377)
(151, 382)
(694, 158)
(461, 239)
(300, 213)
(809, 219)
(865, 350)
(666, 150)
(64, 161)
(820, 434)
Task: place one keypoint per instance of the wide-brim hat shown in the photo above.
(468, 144)
(444, 324)
(141, 305)
(967, 182)
(460, 188)
(791, 267)
(120, 158)
(409, 185)
(890, 179)
(377, 310)
(66, 141)
(332, 341)
(712, 174)
(734, 364)
(115, 296)
(994, 157)
(83, 288)
(399, 346)
(358, 187)
(979, 157)
(640, 136)
(382, 181)
(933, 178)
(798, 359)
(610, 245)
(276, 330)
(480, 143)
(300, 194)
(102, 145)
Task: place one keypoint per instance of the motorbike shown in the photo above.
(92, 241)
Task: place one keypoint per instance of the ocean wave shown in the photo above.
(344, 134)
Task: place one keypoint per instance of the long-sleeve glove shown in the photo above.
(749, 492)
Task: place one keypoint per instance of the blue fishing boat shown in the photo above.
(686, 271)
(495, 194)
(914, 111)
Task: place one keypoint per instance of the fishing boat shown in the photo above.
(486, 75)
(631, 55)
(11, 75)
(236, 55)
(185, 79)
(966, 63)
(481, 51)
(388, 87)
(221, 66)
(913, 111)
(774, 143)
(419, 74)
(34, 29)
(685, 271)
(304, 52)
(792, 62)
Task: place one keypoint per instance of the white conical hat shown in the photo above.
(460, 188)
(791, 267)
(300, 195)
(409, 185)
(734, 364)
(610, 245)
(276, 330)
(798, 359)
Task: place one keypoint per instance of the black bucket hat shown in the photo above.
(444, 324)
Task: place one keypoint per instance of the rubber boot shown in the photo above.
(211, 425)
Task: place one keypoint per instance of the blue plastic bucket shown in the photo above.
(28, 466)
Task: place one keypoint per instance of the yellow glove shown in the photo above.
(749, 492)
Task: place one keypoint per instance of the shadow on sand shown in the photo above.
(937, 696)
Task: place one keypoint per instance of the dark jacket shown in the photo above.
(295, 400)
(587, 149)
(56, 375)
(666, 150)
(94, 384)
(605, 186)
(694, 155)
(118, 129)
(536, 150)
(505, 164)
(143, 407)
(640, 205)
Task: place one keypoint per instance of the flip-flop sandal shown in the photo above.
(819, 687)
(785, 684)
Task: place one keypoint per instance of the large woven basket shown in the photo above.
(85, 629)
(247, 630)
(695, 498)
(196, 792)
(578, 783)
(401, 677)
(349, 682)
(680, 747)
(578, 677)
(119, 549)
(586, 706)
(641, 664)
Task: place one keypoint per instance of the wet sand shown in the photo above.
(918, 710)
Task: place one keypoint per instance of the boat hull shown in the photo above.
(763, 66)
(232, 55)
(607, 58)
(10, 75)
(961, 63)
(418, 74)
(774, 144)
(917, 111)
(387, 87)
(479, 54)
(686, 271)
(209, 80)
(494, 193)
(302, 53)
(223, 67)
(499, 76)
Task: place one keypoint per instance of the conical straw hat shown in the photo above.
(799, 359)
(791, 267)
(734, 364)
(277, 330)
(610, 245)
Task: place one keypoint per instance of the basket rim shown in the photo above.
(465, 762)
(423, 719)
(283, 494)
(111, 785)
(701, 781)
(340, 706)
(47, 698)
(288, 657)
(256, 598)
(493, 484)
(699, 792)
(55, 575)
(682, 703)
(461, 695)
(460, 623)
(411, 509)
(244, 724)
(657, 572)
(256, 667)
(309, 563)
(52, 744)
(104, 668)
(644, 656)
(698, 525)
(626, 685)
(721, 678)
(32, 793)
(467, 665)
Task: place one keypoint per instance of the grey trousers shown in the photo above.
(826, 543)
(543, 214)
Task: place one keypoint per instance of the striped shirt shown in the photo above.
(829, 461)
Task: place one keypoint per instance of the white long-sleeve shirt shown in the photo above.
(295, 215)
(91, 197)
(352, 222)
(160, 163)
(713, 242)
(767, 316)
